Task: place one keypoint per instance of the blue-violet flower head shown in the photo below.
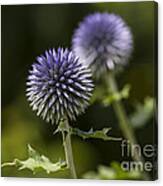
(59, 86)
(103, 41)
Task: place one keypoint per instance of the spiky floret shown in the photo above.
(103, 41)
(59, 85)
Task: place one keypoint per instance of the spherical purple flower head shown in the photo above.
(103, 41)
(59, 86)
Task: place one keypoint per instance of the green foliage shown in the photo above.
(98, 134)
(122, 94)
(143, 112)
(113, 172)
(107, 98)
(36, 161)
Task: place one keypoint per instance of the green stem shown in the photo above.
(68, 149)
(123, 120)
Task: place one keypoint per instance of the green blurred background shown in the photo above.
(27, 31)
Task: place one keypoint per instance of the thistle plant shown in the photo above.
(104, 42)
(59, 88)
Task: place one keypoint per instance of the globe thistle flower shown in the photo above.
(59, 86)
(103, 41)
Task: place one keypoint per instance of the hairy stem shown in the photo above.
(68, 149)
(124, 123)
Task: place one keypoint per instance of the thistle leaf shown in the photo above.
(143, 113)
(36, 161)
(104, 96)
(98, 134)
(114, 172)
(122, 94)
